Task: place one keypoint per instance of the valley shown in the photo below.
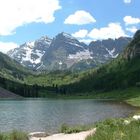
(69, 70)
(119, 73)
(117, 80)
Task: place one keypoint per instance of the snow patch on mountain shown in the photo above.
(60, 63)
(30, 44)
(29, 56)
(112, 53)
(75, 44)
(69, 36)
(82, 55)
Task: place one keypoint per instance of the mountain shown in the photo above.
(30, 54)
(101, 52)
(66, 52)
(107, 49)
(122, 72)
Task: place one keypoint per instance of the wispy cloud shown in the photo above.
(15, 13)
(79, 18)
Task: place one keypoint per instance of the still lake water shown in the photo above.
(48, 114)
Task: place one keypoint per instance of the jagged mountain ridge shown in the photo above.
(66, 52)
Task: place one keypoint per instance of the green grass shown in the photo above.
(134, 101)
(14, 135)
(75, 129)
(115, 129)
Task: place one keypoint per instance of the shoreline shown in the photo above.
(62, 136)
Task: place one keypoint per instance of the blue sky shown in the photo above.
(87, 20)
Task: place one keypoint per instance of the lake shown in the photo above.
(49, 114)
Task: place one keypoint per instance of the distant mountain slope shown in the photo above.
(11, 69)
(107, 49)
(66, 52)
(120, 73)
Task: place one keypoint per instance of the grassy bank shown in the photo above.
(110, 129)
(117, 129)
(14, 135)
(75, 129)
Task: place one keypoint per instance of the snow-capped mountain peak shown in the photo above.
(30, 53)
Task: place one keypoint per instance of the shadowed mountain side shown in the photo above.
(7, 94)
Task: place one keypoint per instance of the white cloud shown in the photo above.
(80, 34)
(86, 41)
(132, 29)
(113, 30)
(79, 18)
(15, 13)
(131, 20)
(6, 46)
(127, 1)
